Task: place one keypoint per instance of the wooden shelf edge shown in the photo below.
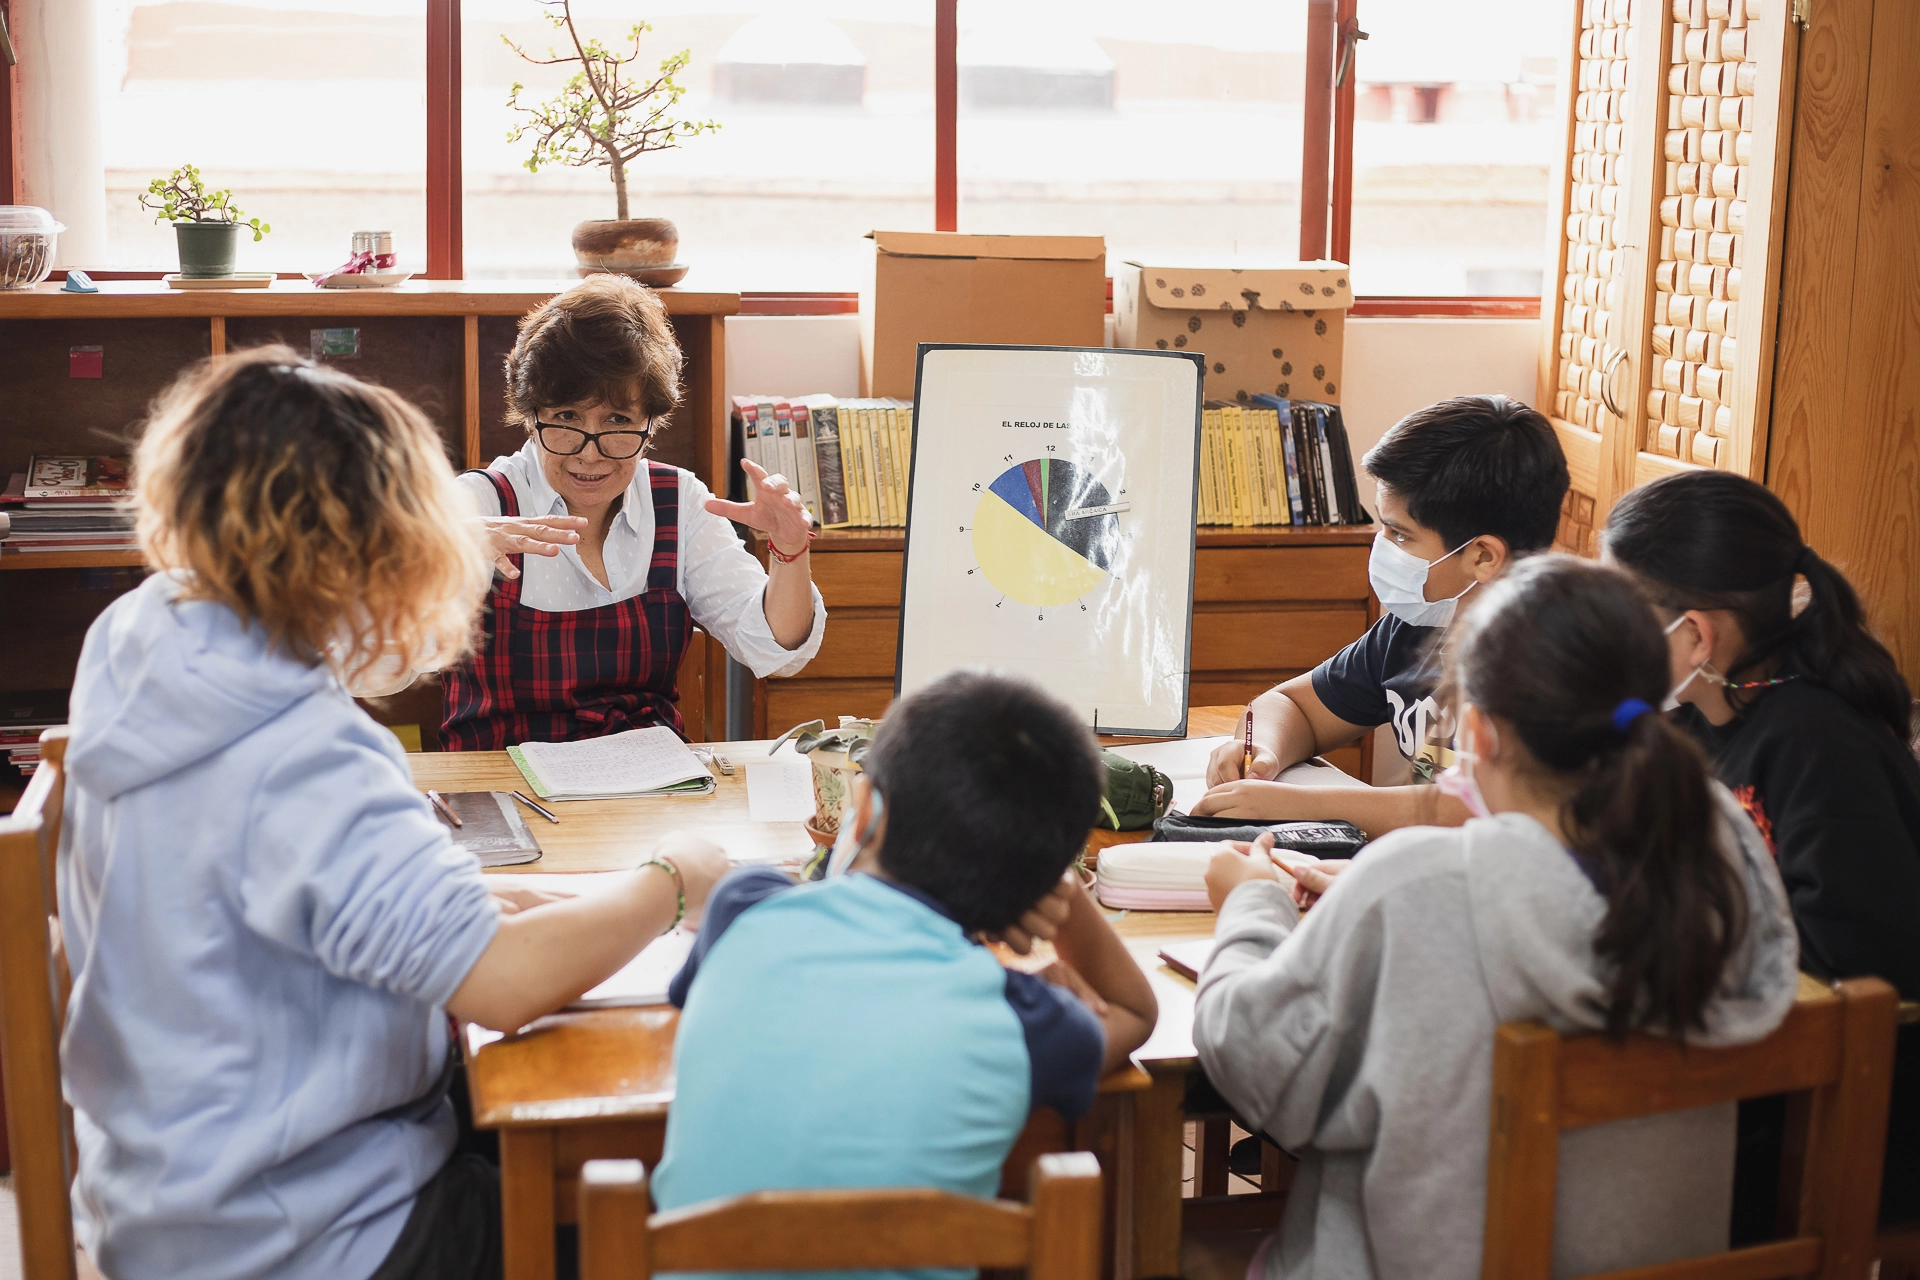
(129, 559)
(148, 299)
(895, 539)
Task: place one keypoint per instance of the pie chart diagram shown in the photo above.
(1030, 541)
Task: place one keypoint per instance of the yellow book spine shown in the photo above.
(1269, 511)
(1204, 481)
(897, 439)
(1230, 436)
(850, 466)
(885, 457)
(1243, 457)
(903, 438)
(876, 501)
(1282, 510)
(1256, 465)
(1216, 477)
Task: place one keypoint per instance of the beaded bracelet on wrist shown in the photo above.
(679, 888)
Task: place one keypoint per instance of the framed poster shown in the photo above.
(1050, 526)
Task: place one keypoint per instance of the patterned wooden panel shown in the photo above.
(1576, 524)
(1711, 112)
(1589, 328)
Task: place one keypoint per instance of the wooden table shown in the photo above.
(580, 1086)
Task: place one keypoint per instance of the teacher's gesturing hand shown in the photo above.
(531, 535)
(778, 512)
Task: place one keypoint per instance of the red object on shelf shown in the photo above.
(86, 362)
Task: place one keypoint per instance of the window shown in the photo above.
(1453, 139)
(826, 133)
(1173, 131)
(1170, 131)
(312, 111)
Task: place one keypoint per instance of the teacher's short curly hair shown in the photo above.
(316, 506)
(607, 339)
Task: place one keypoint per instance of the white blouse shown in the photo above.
(720, 580)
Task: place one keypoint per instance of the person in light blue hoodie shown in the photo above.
(266, 925)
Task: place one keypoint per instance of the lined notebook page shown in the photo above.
(620, 764)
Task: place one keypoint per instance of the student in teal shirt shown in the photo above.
(854, 1032)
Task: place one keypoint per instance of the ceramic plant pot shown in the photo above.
(207, 249)
(832, 780)
(626, 244)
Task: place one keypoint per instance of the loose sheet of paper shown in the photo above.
(629, 763)
(644, 979)
(780, 787)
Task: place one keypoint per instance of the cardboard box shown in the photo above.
(1266, 331)
(940, 286)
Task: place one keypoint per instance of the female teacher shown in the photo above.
(585, 638)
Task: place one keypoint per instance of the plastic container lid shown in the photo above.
(27, 217)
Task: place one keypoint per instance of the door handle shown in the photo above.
(1607, 398)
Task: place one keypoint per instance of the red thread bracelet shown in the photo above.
(783, 557)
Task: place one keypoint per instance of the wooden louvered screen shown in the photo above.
(1669, 244)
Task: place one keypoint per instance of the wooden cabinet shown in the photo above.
(1267, 605)
(441, 343)
(1734, 276)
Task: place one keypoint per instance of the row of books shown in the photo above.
(67, 504)
(22, 718)
(1276, 462)
(850, 460)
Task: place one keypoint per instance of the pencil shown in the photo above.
(1246, 761)
(534, 805)
(445, 809)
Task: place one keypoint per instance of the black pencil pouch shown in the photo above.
(1321, 839)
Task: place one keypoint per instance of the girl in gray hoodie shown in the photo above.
(1605, 884)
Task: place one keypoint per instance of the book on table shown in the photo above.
(638, 762)
(491, 828)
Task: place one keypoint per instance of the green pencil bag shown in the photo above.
(1136, 794)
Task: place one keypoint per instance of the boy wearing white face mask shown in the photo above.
(1465, 487)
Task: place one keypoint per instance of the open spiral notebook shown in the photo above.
(638, 762)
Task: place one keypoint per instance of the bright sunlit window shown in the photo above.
(312, 111)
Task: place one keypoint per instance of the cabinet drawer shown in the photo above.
(1245, 574)
(858, 579)
(856, 646)
(791, 702)
(1266, 639)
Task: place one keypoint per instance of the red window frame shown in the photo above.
(1326, 177)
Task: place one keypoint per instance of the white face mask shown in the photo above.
(1673, 698)
(1399, 578)
(1457, 780)
(847, 844)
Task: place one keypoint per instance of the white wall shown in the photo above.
(1393, 367)
(793, 355)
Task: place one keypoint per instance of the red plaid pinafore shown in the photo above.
(554, 677)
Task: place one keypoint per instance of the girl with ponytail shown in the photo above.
(1605, 883)
(1807, 719)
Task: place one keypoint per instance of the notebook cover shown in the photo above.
(491, 829)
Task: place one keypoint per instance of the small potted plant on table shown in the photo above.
(603, 117)
(206, 224)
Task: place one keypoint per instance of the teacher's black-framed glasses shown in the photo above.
(615, 446)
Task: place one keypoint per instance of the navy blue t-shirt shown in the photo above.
(1388, 676)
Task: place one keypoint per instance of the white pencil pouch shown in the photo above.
(1160, 876)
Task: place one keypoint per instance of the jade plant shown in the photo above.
(602, 116)
(853, 737)
(182, 197)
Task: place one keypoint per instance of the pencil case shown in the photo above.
(1159, 876)
(1321, 839)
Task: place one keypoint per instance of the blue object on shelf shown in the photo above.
(79, 281)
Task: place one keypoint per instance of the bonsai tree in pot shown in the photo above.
(206, 224)
(603, 116)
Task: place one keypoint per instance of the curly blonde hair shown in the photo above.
(315, 505)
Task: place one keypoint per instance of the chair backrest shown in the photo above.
(1055, 1236)
(1833, 1054)
(702, 681)
(32, 1002)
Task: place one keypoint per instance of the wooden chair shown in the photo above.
(32, 1004)
(1834, 1052)
(1055, 1237)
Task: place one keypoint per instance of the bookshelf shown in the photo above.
(441, 343)
(1268, 604)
